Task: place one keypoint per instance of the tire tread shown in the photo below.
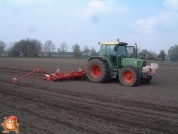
(106, 73)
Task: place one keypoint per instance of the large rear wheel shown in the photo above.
(98, 71)
(129, 76)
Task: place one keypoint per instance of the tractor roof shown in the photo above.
(113, 43)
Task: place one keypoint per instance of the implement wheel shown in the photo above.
(129, 76)
(146, 80)
(98, 71)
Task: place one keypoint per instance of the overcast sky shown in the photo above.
(152, 24)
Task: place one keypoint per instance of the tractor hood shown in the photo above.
(133, 62)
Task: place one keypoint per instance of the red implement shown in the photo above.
(55, 76)
(65, 75)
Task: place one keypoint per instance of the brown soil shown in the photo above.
(75, 106)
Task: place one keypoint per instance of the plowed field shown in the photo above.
(76, 107)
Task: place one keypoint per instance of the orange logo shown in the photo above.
(10, 124)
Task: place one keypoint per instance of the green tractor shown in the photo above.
(116, 60)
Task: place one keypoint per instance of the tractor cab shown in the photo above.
(115, 51)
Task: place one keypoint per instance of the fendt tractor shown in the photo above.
(115, 60)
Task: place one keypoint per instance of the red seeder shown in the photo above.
(55, 76)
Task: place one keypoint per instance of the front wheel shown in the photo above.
(129, 76)
(146, 80)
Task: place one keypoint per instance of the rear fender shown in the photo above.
(102, 58)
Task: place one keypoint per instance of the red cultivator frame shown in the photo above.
(56, 76)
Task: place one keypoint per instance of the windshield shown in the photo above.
(110, 50)
(122, 51)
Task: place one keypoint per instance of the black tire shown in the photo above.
(129, 76)
(98, 71)
(146, 80)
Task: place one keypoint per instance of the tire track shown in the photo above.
(104, 110)
(65, 94)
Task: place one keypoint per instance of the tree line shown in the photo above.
(33, 48)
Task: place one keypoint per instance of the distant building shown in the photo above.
(167, 57)
(86, 54)
(20, 53)
(144, 54)
(173, 57)
(56, 54)
(4, 54)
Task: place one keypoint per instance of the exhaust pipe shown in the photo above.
(135, 50)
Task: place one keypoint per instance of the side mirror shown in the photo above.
(115, 48)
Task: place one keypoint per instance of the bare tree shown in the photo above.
(153, 55)
(173, 52)
(138, 50)
(76, 50)
(63, 48)
(59, 51)
(27, 48)
(86, 51)
(49, 47)
(161, 55)
(2, 47)
(93, 51)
